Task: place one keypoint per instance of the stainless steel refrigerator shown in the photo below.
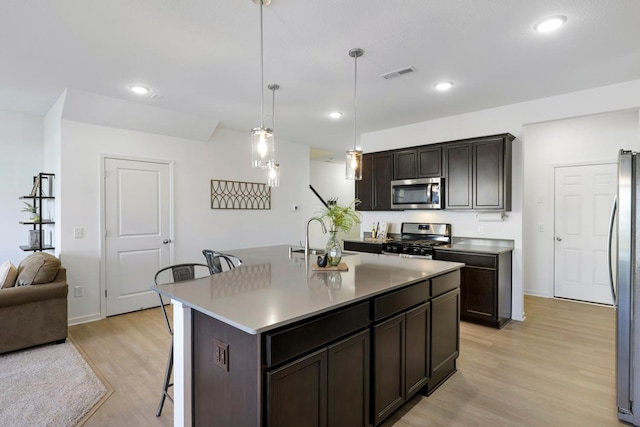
(624, 268)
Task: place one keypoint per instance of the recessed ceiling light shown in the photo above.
(442, 86)
(140, 90)
(335, 114)
(550, 24)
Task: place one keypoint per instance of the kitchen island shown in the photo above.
(275, 343)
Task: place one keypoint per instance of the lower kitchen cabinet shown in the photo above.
(445, 337)
(401, 359)
(329, 387)
(485, 286)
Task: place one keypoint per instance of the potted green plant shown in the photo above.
(33, 210)
(338, 218)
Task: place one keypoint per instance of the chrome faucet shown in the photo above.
(306, 234)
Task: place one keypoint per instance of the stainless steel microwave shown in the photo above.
(422, 193)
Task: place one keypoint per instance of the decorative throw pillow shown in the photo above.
(8, 274)
(37, 269)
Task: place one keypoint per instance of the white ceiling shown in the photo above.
(201, 57)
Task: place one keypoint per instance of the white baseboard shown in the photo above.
(83, 319)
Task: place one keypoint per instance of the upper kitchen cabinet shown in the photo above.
(420, 162)
(374, 190)
(478, 173)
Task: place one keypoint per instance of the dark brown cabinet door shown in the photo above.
(488, 180)
(458, 175)
(429, 162)
(374, 189)
(405, 164)
(479, 298)
(445, 331)
(382, 173)
(348, 382)
(417, 348)
(364, 187)
(388, 375)
(297, 393)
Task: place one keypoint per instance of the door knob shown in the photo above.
(165, 241)
(559, 239)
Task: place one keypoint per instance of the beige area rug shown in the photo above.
(51, 385)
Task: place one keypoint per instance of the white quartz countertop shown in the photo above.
(271, 289)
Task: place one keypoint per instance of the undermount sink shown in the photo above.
(317, 252)
(311, 251)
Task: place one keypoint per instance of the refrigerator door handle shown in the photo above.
(612, 221)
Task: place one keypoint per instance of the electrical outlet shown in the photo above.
(78, 233)
(481, 230)
(221, 354)
(77, 291)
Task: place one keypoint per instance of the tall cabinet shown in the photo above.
(39, 203)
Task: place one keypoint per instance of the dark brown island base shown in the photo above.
(274, 343)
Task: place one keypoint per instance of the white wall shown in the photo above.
(21, 159)
(197, 226)
(590, 139)
(512, 119)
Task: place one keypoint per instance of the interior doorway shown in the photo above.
(138, 231)
(584, 196)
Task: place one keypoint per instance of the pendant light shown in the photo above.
(262, 146)
(273, 174)
(353, 160)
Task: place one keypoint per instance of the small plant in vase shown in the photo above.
(338, 218)
(32, 210)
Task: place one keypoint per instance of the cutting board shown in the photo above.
(340, 267)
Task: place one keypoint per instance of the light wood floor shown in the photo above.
(555, 369)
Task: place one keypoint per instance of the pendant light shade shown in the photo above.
(353, 160)
(262, 145)
(273, 174)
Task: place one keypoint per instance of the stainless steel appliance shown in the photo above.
(423, 193)
(418, 240)
(627, 298)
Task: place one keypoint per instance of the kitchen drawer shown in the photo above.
(445, 283)
(294, 341)
(373, 248)
(400, 300)
(475, 260)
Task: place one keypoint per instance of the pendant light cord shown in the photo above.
(355, 102)
(261, 70)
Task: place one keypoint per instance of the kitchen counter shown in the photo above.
(486, 246)
(256, 335)
(272, 289)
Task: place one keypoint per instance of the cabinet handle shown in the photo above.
(559, 239)
(165, 241)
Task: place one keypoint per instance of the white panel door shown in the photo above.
(138, 232)
(583, 199)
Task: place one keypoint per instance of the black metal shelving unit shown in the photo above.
(40, 195)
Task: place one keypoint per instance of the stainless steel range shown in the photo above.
(418, 239)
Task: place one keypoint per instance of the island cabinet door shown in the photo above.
(297, 393)
(348, 386)
(445, 337)
(389, 367)
(417, 348)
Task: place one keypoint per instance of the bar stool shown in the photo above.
(214, 261)
(179, 273)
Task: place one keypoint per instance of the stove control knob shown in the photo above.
(416, 251)
(405, 250)
(423, 251)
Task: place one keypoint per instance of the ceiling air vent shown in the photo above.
(397, 73)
